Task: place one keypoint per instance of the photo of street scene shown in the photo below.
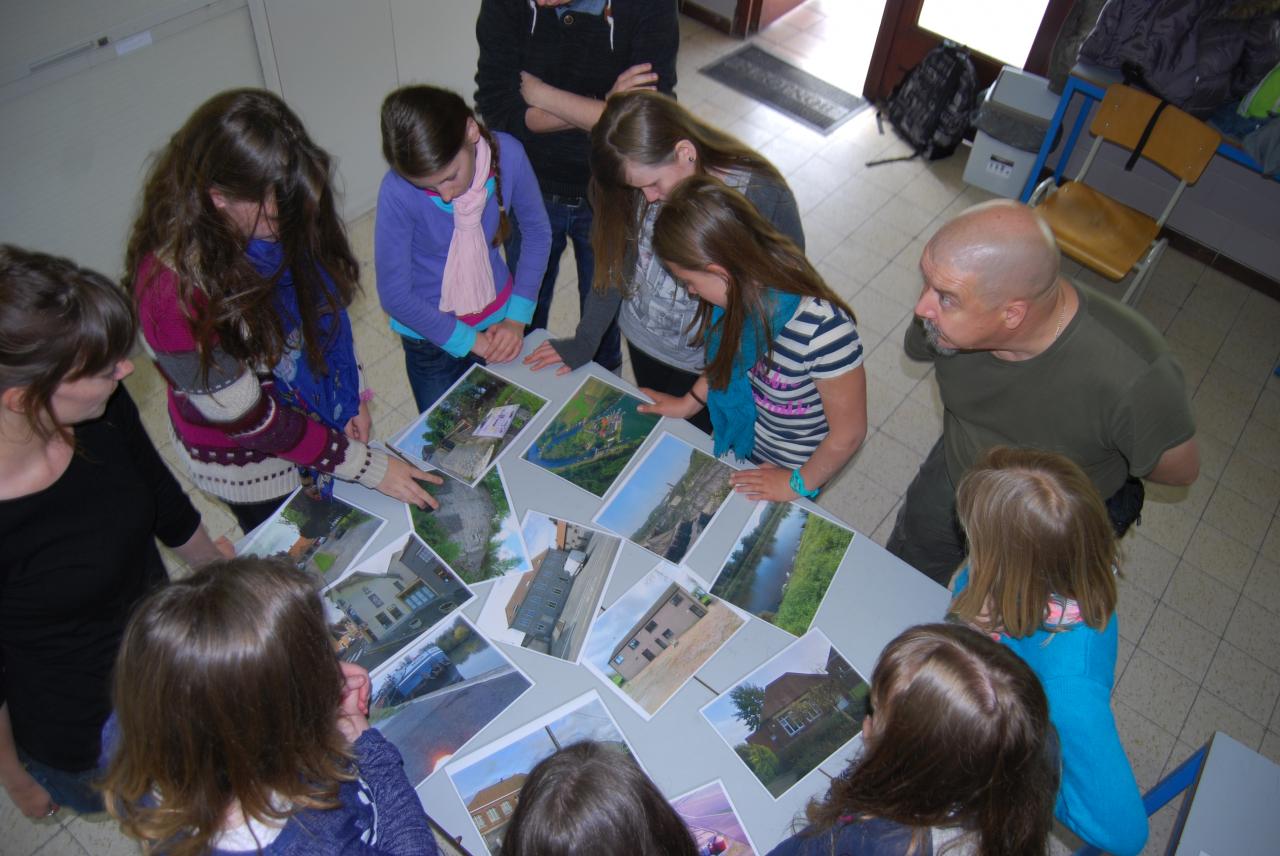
(474, 531)
(549, 608)
(373, 614)
(668, 499)
(714, 821)
(439, 692)
(792, 713)
(470, 426)
(322, 536)
(653, 638)
(489, 780)
(593, 437)
(783, 564)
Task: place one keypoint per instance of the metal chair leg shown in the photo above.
(1139, 284)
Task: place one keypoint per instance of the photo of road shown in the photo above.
(321, 535)
(473, 531)
(713, 821)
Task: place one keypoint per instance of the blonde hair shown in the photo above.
(1036, 528)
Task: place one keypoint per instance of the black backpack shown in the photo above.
(933, 106)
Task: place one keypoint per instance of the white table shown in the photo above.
(1235, 804)
(873, 597)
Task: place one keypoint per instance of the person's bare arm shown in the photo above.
(200, 549)
(1178, 466)
(27, 794)
(541, 122)
(554, 109)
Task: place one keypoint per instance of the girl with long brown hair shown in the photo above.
(784, 381)
(959, 757)
(1041, 579)
(642, 147)
(243, 275)
(442, 217)
(236, 728)
(83, 497)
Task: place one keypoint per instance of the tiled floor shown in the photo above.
(1200, 597)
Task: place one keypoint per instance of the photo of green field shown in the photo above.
(783, 564)
(593, 437)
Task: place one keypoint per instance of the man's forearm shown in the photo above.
(539, 121)
(577, 111)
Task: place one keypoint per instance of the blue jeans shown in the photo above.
(69, 790)
(432, 370)
(570, 220)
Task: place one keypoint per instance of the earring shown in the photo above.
(690, 159)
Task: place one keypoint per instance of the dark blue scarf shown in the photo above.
(733, 409)
(334, 397)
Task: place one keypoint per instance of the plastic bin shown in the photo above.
(1019, 108)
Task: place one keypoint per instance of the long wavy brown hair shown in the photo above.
(59, 322)
(1036, 527)
(247, 144)
(642, 128)
(423, 129)
(706, 222)
(960, 737)
(226, 694)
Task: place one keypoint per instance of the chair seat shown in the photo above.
(1097, 231)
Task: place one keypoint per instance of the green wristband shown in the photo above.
(797, 485)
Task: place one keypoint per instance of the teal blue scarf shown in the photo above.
(733, 409)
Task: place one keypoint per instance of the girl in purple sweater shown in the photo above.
(237, 730)
(442, 216)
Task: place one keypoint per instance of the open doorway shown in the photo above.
(831, 39)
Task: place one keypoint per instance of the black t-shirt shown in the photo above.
(75, 558)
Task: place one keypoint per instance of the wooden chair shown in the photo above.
(1108, 236)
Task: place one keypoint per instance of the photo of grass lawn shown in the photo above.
(793, 713)
(783, 564)
(593, 437)
(474, 531)
(668, 499)
(323, 536)
(652, 640)
(473, 423)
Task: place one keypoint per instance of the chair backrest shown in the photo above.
(1179, 142)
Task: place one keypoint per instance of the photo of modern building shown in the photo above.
(657, 630)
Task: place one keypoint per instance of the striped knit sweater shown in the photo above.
(239, 440)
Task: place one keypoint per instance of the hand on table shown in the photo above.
(402, 482)
(675, 406)
(767, 482)
(545, 356)
(506, 339)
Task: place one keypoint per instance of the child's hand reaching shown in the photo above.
(675, 406)
(353, 708)
(767, 482)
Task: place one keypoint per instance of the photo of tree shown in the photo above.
(321, 535)
(668, 499)
(793, 713)
(783, 564)
(593, 437)
(474, 531)
(473, 423)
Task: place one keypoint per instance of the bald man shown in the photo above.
(1025, 358)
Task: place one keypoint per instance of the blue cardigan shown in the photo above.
(1098, 798)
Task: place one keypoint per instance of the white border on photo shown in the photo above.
(455, 765)
(635, 456)
(758, 509)
(620, 486)
(376, 562)
(785, 652)
(493, 616)
(524, 547)
(737, 815)
(677, 574)
(397, 441)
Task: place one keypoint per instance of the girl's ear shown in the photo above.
(14, 399)
(218, 198)
(473, 131)
(686, 152)
(720, 271)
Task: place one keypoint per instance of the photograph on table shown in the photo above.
(474, 531)
(322, 536)
(651, 640)
(783, 564)
(375, 611)
(489, 780)
(439, 692)
(713, 820)
(668, 499)
(548, 609)
(793, 713)
(593, 437)
(473, 423)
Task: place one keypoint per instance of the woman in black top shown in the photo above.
(83, 496)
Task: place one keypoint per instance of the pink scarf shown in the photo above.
(468, 273)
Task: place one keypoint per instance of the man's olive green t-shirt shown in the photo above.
(1107, 393)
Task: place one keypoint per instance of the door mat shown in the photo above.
(793, 91)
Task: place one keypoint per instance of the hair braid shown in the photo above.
(504, 224)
